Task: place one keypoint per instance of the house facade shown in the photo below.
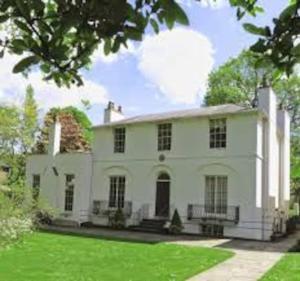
(224, 168)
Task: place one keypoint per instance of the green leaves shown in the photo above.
(296, 50)
(180, 15)
(21, 25)
(25, 64)
(154, 25)
(251, 28)
(61, 35)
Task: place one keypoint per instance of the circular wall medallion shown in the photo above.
(161, 157)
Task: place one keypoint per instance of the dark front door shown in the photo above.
(162, 198)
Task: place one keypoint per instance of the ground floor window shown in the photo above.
(69, 192)
(36, 184)
(213, 230)
(117, 191)
(216, 194)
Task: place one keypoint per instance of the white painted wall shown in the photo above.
(188, 162)
(53, 187)
(256, 161)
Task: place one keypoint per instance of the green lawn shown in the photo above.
(45, 257)
(287, 269)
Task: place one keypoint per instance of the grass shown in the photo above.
(45, 257)
(287, 269)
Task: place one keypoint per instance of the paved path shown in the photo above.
(251, 260)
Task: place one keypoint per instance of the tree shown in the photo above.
(18, 128)
(236, 82)
(76, 130)
(280, 45)
(29, 120)
(60, 36)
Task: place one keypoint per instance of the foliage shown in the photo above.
(61, 35)
(176, 223)
(76, 132)
(18, 128)
(118, 220)
(236, 82)
(20, 213)
(133, 261)
(279, 44)
(30, 120)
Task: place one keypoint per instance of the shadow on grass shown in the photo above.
(96, 236)
(281, 245)
(105, 233)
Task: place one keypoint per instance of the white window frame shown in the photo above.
(69, 192)
(119, 139)
(117, 189)
(218, 133)
(36, 185)
(164, 136)
(216, 194)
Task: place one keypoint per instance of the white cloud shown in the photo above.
(178, 62)
(99, 55)
(213, 4)
(47, 94)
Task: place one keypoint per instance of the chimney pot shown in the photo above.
(112, 113)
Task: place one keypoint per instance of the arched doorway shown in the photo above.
(162, 195)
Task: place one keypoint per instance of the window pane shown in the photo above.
(209, 194)
(164, 136)
(69, 192)
(216, 194)
(119, 140)
(117, 192)
(217, 133)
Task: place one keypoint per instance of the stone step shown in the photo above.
(150, 225)
(150, 230)
(64, 222)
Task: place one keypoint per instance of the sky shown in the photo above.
(164, 72)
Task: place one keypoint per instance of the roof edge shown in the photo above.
(120, 123)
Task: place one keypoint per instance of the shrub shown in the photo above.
(176, 224)
(14, 222)
(291, 225)
(118, 220)
(20, 213)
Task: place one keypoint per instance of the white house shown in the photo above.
(224, 168)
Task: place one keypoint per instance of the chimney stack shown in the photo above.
(54, 138)
(113, 113)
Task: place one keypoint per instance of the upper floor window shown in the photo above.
(164, 136)
(119, 141)
(69, 192)
(36, 184)
(117, 192)
(217, 133)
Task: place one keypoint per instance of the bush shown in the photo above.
(176, 224)
(291, 225)
(14, 229)
(118, 220)
(14, 222)
(20, 213)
